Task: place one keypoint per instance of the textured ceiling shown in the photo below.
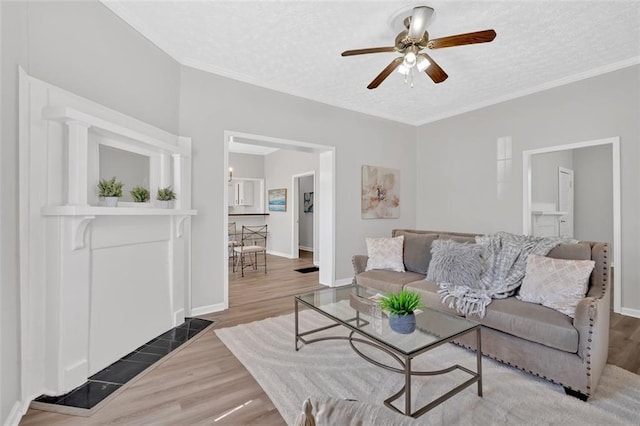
(294, 47)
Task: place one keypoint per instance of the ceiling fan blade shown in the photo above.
(462, 39)
(385, 73)
(369, 50)
(419, 19)
(434, 71)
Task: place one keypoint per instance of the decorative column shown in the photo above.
(78, 173)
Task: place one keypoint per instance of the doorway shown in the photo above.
(304, 225)
(324, 198)
(529, 212)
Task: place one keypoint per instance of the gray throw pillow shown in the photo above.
(417, 251)
(456, 263)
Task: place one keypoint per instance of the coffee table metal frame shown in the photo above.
(403, 358)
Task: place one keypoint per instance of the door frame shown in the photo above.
(295, 225)
(571, 173)
(325, 185)
(617, 227)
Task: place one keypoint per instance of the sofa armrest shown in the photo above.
(592, 322)
(359, 262)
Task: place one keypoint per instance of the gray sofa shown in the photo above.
(531, 337)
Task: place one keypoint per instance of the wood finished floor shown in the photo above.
(204, 381)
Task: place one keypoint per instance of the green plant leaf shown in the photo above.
(110, 188)
(166, 194)
(401, 303)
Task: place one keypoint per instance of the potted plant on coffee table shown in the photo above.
(111, 190)
(400, 307)
(165, 197)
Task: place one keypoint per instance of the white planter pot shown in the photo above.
(111, 201)
(165, 204)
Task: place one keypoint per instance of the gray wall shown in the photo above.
(593, 198)
(544, 175)
(280, 166)
(84, 48)
(247, 165)
(305, 220)
(211, 104)
(456, 179)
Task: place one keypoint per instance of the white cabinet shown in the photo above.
(241, 193)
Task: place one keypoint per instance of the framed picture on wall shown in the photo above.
(278, 200)
(380, 193)
(308, 202)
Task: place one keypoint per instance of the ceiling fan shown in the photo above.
(412, 41)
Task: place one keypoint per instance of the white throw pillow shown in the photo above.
(385, 253)
(558, 284)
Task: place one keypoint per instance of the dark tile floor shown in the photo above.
(105, 382)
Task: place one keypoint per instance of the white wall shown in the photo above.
(279, 167)
(305, 220)
(593, 198)
(211, 104)
(456, 177)
(84, 48)
(544, 175)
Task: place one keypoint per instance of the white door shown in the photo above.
(565, 201)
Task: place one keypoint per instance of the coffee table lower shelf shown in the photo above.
(404, 360)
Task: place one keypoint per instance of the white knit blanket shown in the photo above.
(506, 262)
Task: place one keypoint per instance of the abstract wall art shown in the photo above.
(380, 193)
(278, 200)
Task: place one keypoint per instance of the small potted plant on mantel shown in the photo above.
(140, 194)
(165, 197)
(110, 190)
(401, 307)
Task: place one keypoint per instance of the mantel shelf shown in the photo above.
(113, 211)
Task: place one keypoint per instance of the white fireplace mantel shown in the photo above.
(88, 272)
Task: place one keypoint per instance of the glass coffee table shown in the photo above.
(354, 308)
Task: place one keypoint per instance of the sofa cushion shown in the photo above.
(385, 253)
(417, 251)
(456, 263)
(531, 322)
(558, 284)
(428, 292)
(387, 281)
(577, 251)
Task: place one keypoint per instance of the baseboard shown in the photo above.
(203, 310)
(16, 413)
(630, 312)
(279, 254)
(343, 281)
(305, 248)
(178, 317)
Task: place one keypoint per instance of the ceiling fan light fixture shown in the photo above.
(422, 63)
(409, 59)
(402, 69)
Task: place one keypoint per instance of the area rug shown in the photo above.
(307, 270)
(331, 368)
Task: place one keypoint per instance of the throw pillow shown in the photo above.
(417, 251)
(385, 253)
(456, 263)
(556, 283)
